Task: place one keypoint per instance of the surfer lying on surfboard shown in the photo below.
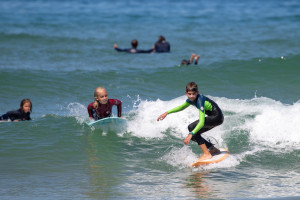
(102, 106)
(22, 114)
(206, 107)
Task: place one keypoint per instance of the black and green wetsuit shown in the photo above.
(207, 107)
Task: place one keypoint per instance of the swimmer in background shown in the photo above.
(102, 106)
(162, 45)
(191, 60)
(22, 114)
(133, 49)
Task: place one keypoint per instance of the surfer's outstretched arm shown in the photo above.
(177, 109)
(162, 116)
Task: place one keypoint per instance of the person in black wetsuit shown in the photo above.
(210, 116)
(22, 114)
(191, 60)
(162, 45)
(133, 49)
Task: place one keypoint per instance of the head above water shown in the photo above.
(100, 96)
(191, 87)
(191, 91)
(184, 62)
(161, 38)
(26, 105)
(134, 43)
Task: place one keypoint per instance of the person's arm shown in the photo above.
(118, 103)
(122, 50)
(179, 108)
(118, 49)
(28, 117)
(176, 109)
(200, 123)
(197, 128)
(90, 110)
(13, 115)
(144, 51)
(207, 106)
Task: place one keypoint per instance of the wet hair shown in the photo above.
(134, 43)
(96, 103)
(185, 62)
(161, 38)
(191, 87)
(25, 101)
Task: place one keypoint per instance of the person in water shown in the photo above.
(162, 45)
(133, 49)
(22, 114)
(102, 106)
(207, 107)
(191, 60)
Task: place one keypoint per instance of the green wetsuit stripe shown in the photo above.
(207, 106)
(179, 108)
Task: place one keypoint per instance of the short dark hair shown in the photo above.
(134, 43)
(161, 39)
(191, 86)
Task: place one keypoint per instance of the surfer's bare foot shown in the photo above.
(192, 57)
(204, 157)
(196, 59)
(214, 151)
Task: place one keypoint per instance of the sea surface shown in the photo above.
(57, 52)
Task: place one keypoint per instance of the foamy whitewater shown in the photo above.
(57, 52)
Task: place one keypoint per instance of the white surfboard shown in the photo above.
(112, 123)
(215, 159)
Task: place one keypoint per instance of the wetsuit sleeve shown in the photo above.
(179, 108)
(118, 103)
(118, 49)
(90, 110)
(145, 51)
(200, 123)
(13, 115)
(207, 106)
(28, 117)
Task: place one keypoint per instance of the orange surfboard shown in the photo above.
(215, 159)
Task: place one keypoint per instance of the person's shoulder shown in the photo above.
(112, 100)
(14, 111)
(91, 105)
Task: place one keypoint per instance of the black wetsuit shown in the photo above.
(16, 115)
(133, 50)
(214, 118)
(207, 107)
(161, 47)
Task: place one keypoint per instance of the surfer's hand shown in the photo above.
(187, 139)
(162, 116)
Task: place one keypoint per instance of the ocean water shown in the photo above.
(57, 52)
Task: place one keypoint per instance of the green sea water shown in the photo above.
(56, 53)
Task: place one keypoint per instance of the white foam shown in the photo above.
(270, 124)
(145, 124)
(184, 157)
(180, 157)
(78, 111)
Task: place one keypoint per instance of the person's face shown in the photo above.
(26, 107)
(191, 95)
(102, 97)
